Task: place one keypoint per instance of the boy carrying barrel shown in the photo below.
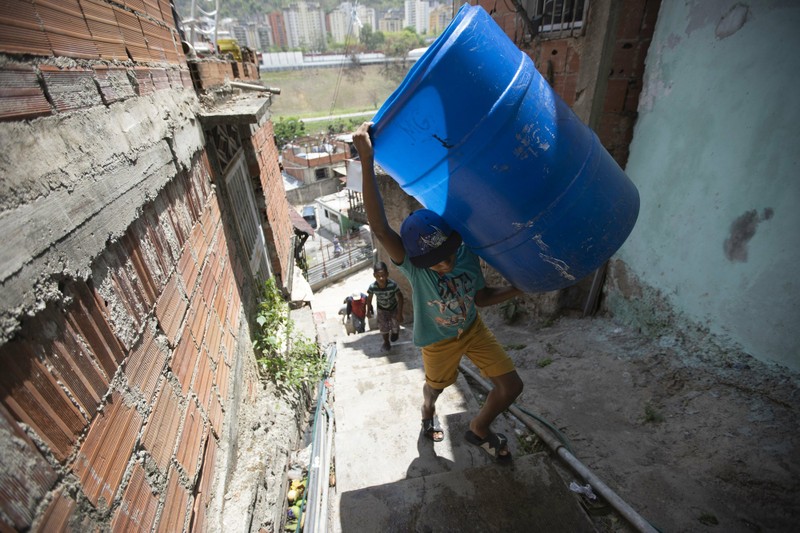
(448, 286)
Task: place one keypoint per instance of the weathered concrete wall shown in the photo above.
(715, 158)
(58, 182)
(307, 194)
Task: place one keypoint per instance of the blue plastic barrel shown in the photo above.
(476, 134)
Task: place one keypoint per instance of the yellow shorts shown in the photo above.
(478, 343)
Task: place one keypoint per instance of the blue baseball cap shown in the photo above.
(428, 238)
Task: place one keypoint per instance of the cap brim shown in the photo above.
(439, 254)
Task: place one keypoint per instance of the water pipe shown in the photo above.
(326, 466)
(622, 507)
(317, 443)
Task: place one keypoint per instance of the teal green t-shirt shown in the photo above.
(444, 306)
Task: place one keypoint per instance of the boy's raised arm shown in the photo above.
(373, 203)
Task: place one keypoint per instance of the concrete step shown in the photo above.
(527, 495)
(365, 353)
(378, 436)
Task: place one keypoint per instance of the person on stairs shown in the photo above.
(447, 287)
(356, 309)
(389, 302)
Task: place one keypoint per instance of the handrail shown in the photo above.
(321, 446)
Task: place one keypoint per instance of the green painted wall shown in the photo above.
(716, 158)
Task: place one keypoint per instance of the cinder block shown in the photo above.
(204, 493)
(66, 29)
(184, 361)
(71, 88)
(114, 83)
(69, 356)
(190, 440)
(213, 339)
(32, 396)
(143, 83)
(171, 309)
(27, 477)
(61, 514)
(132, 34)
(161, 430)
(104, 29)
(188, 270)
(176, 505)
(22, 33)
(137, 511)
(104, 455)
(204, 379)
(21, 94)
(198, 317)
(145, 365)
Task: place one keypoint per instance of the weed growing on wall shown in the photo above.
(284, 355)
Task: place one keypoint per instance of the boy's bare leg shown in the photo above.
(506, 389)
(386, 343)
(429, 397)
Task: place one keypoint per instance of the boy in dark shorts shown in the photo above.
(447, 287)
(389, 303)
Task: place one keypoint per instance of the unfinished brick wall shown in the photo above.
(120, 340)
(634, 32)
(123, 391)
(96, 30)
(279, 237)
(559, 62)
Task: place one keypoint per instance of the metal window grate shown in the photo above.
(237, 183)
(556, 19)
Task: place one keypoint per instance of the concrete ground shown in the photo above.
(692, 437)
(390, 478)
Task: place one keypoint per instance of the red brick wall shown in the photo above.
(277, 208)
(637, 20)
(89, 30)
(559, 62)
(112, 399)
(132, 377)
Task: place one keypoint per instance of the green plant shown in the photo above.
(287, 357)
(708, 519)
(541, 363)
(651, 414)
(514, 346)
(529, 443)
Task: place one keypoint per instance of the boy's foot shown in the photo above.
(395, 335)
(495, 444)
(385, 348)
(432, 430)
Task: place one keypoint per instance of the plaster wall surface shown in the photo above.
(715, 157)
(74, 182)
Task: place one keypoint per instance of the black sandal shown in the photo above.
(430, 426)
(492, 444)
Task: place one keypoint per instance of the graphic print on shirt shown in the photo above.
(455, 293)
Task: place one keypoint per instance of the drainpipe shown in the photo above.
(634, 518)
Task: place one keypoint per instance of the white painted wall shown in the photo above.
(716, 158)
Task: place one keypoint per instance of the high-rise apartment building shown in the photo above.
(440, 17)
(417, 13)
(278, 27)
(391, 22)
(345, 22)
(305, 26)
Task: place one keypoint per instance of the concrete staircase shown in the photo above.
(391, 478)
